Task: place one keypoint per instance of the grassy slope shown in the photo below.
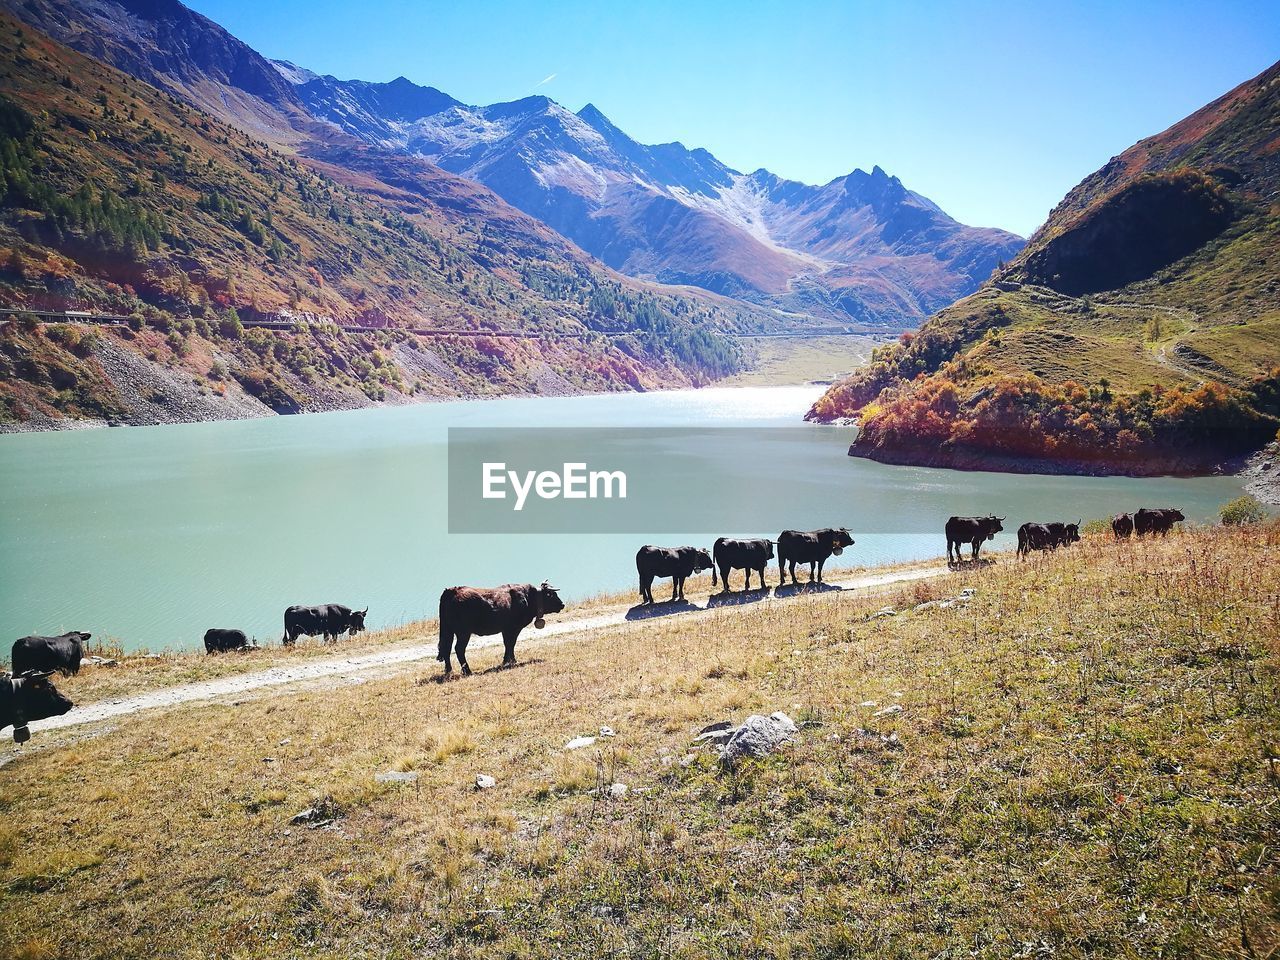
(785, 361)
(434, 252)
(1209, 315)
(1087, 766)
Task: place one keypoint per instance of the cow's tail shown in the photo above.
(446, 632)
(715, 560)
(1023, 548)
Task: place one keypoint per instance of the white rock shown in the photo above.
(757, 737)
(867, 703)
(616, 790)
(397, 776)
(485, 782)
(577, 743)
(886, 711)
(606, 731)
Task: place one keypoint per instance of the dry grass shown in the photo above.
(1087, 766)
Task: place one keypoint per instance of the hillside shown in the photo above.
(861, 249)
(1138, 332)
(119, 198)
(1057, 767)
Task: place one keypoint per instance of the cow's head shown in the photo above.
(1073, 532)
(549, 599)
(994, 525)
(768, 549)
(841, 538)
(35, 698)
(1176, 515)
(356, 624)
(80, 636)
(702, 561)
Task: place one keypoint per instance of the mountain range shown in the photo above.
(861, 248)
(861, 251)
(1138, 331)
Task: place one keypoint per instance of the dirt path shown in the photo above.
(357, 669)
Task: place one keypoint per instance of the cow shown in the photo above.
(1046, 536)
(813, 547)
(971, 530)
(330, 619)
(61, 654)
(28, 697)
(217, 640)
(1159, 521)
(483, 611)
(745, 555)
(678, 563)
(1122, 525)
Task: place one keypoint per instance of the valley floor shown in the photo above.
(1078, 759)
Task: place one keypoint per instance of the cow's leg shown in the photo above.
(812, 565)
(461, 649)
(948, 550)
(677, 589)
(646, 588)
(509, 647)
(820, 563)
(724, 577)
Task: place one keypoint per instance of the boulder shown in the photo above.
(577, 743)
(485, 782)
(758, 736)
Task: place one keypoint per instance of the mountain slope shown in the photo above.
(1138, 332)
(861, 247)
(117, 197)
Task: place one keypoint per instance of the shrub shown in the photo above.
(1242, 510)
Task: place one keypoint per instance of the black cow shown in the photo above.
(484, 611)
(745, 555)
(217, 640)
(678, 563)
(1046, 536)
(330, 619)
(971, 530)
(1159, 521)
(1122, 525)
(27, 698)
(813, 547)
(62, 653)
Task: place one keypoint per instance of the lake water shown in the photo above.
(152, 534)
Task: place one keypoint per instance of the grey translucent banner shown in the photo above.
(715, 481)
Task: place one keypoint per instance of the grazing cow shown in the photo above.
(221, 641)
(62, 653)
(971, 530)
(1122, 525)
(1046, 536)
(330, 619)
(813, 547)
(481, 611)
(678, 563)
(745, 555)
(1156, 521)
(28, 697)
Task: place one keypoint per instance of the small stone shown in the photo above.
(397, 776)
(285, 742)
(868, 704)
(577, 743)
(485, 782)
(606, 731)
(309, 815)
(268, 759)
(886, 711)
(616, 790)
(688, 759)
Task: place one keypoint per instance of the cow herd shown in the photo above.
(29, 694)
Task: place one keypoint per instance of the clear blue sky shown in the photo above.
(991, 109)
